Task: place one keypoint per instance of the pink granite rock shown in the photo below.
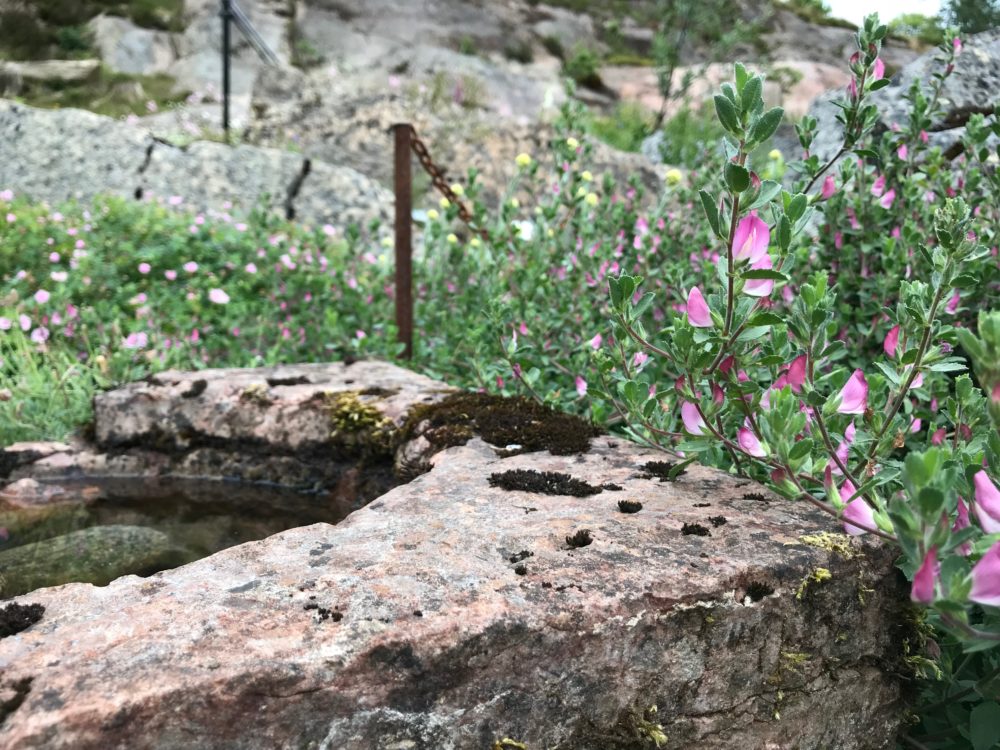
(451, 613)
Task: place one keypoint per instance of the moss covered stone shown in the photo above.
(515, 424)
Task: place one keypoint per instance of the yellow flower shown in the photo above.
(453, 239)
(432, 214)
(474, 242)
(550, 232)
(102, 363)
(444, 203)
(387, 242)
(458, 190)
(591, 199)
(774, 154)
(581, 191)
(523, 160)
(514, 202)
(573, 143)
(674, 176)
(586, 175)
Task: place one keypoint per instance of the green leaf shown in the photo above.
(984, 726)
(711, 211)
(766, 319)
(801, 449)
(797, 206)
(759, 274)
(741, 76)
(726, 112)
(751, 93)
(769, 189)
(737, 177)
(766, 124)
(881, 83)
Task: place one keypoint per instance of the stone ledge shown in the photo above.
(411, 625)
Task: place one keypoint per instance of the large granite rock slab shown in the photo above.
(59, 155)
(452, 613)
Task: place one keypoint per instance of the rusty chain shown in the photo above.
(438, 179)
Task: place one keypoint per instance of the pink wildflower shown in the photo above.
(925, 579)
(854, 395)
(697, 309)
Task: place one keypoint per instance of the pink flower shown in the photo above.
(925, 579)
(879, 72)
(924, 138)
(886, 200)
(41, 296)
(359, 334)
(581, 386)
(829, 188)
(891, 343)
(691, 417)
(5, 324)
(751, 239)
(53, 257)
(901, 152)
(697, 310)
(952, 305)
(639, 359)
(145, 268)
(938, 437)
(749, 442)
(987, 505)
(878, 187)
(40, 335)
(854, 395)
(595, 343)
(190, 266)
(170, 275)
(24, 321)
(986, 578)
(136, 341)
(956, 44)
(218, 296)
(760, 287)
(857, 511)
(962, 522)
(250, 268)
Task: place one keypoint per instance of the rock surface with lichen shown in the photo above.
(451, 613)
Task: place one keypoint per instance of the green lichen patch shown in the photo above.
(360, 425)
(817, 576)
(838, 543)
(500, 421)
(543, 482)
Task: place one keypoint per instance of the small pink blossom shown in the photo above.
(359, 334)
(5, 324)
(886, 200)
(879, 69)
(986, 578)
(902, 152)
(218, 296)
(956, 45)
(878, 187)
(962, 522)
(952, 305)
(54, 257)
(136, 341)
(581, 386)
(749, 442)
(858, 515)
(760, 287)
(190, 266)
(42, 296)
(854, 395)
(925, 579)
(639, 359)
(987, 505)
(145, 268)
(751, 239)
(170, 274)
(24, 322)
(691, 417)
(697, 310)
(829, 188)
(891, 343)
(595, 343)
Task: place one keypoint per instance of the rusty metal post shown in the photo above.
(403, 133)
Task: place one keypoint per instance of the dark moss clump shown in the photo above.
(521, 570)
(500, 421)
(718, 521)
(695, 529)
(757, 591)
(544, 482)
(581, 538)
(629, 506)
(522, 555)
(17, 617)
(610, 487)
(665, 471)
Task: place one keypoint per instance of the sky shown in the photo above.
(856, 10)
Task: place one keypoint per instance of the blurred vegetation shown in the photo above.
(56, 29)
(106, 93)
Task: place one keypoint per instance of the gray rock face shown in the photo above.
(973, 87)
(58, 155)
(127, 48)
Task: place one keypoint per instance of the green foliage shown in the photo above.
(625, 128)
(972, 16)
(583, 67)
(925, 29)
(519, 50)
(690, 138)
(107, 93)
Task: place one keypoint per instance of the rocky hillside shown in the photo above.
(480, 80)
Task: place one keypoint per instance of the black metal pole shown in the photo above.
(227, 15)
(404, 239)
